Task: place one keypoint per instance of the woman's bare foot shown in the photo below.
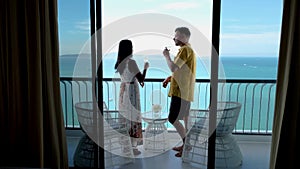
(136, 151)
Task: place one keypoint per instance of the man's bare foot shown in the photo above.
(179, 148)
(179, 154)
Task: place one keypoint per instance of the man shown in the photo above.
(182, 83)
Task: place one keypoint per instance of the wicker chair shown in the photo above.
(117, 145)
(228, 154)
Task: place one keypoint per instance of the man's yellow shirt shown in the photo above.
(183, 80)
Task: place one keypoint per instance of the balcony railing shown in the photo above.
(256, 96)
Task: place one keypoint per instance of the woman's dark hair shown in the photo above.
(125, 50)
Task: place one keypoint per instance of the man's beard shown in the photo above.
(179, 43)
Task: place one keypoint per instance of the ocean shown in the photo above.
(257, 99)
(233, 67)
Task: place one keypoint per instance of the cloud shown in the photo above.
(232, 20)
(180, 5)
(251, 28)
(106, 20)
(83, 25)
(250, 43)
(252, 37)
(150, 11)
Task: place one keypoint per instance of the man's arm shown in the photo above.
(172, 66)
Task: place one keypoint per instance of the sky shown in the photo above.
(248, 27)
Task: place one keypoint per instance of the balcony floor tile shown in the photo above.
(255, 150)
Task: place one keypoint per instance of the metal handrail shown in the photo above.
(256, 96)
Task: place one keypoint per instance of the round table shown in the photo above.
(156, 133)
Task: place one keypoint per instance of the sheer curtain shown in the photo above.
(285, 142)
(32, 132)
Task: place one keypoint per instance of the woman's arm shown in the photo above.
(139, 76)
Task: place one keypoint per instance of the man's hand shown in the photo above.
(166, 81)
(173, 67)
(166, 52)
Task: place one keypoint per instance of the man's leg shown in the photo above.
(180, 129)
(182, 132)
(185, 120)
(186, 139)
(186, 109)
(173, 115)
(178, 107)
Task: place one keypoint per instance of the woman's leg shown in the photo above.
(134, 142)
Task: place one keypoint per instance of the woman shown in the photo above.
(129, 99)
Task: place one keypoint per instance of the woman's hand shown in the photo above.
(146, 65)
(142, 84)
